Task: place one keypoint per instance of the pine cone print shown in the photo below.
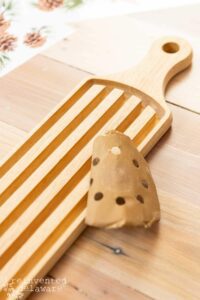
(34, 39)
(49, 4)
(4, 24)
(7, 42)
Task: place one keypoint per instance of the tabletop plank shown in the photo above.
(10, 136)
(81, 275)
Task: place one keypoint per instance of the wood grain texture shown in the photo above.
(137, 264)
(44, 183)
(10, 137)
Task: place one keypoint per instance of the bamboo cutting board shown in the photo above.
(44, 182)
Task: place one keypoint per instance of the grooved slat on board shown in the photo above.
(158, 130)
(79, 192)
(55, 159)
(142, 124)
(130, 107)
(10, 236)
(44, 126)
(126, 110)
(57, 131)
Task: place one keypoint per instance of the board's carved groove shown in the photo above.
(78, 209)
(43, 128)
(29, 169)
(64, 193)
(43, 215)
(23, 237)
(62, 163)
(131, 117)
(58, 154)
(144, 124)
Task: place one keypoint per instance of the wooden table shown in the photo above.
(163, 262)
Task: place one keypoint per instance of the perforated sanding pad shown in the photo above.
(122, 191)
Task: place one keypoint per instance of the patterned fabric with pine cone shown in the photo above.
(7, 42)
(34, 39)
(49, 4)
(4, 24)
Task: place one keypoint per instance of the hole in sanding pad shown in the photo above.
(116, 150)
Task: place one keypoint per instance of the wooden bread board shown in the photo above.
(44, 182)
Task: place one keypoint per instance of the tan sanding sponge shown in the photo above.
(122, 191)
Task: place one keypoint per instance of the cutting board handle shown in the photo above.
(166, 57)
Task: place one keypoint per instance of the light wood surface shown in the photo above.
(44, 182)
(126, 264)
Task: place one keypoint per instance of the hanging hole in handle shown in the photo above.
(170, 47)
